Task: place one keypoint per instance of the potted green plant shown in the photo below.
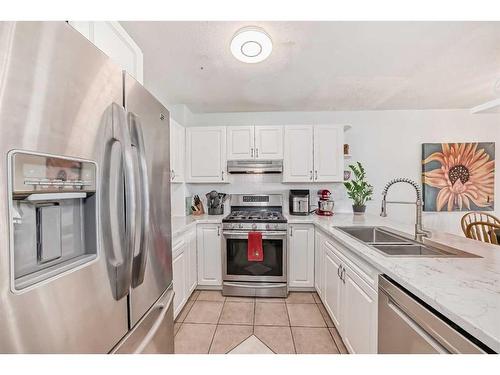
(358, 189)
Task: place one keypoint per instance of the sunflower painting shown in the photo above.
(458, 176)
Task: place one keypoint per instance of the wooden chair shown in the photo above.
(472, 217)
(484, 232)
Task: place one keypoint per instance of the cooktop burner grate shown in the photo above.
(258, 216)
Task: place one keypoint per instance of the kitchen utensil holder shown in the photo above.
(216, 210)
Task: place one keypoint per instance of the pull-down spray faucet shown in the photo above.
(419, 231)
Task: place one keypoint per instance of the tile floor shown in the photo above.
(212, 323)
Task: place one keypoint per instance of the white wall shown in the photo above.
(388, 143)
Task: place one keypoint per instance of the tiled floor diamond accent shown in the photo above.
(212, 323)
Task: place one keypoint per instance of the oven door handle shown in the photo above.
(244, 235)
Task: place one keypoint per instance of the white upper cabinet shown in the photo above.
(269, 142)
(177, 151)
(254, 142)
(298, 155)
(111, 38)
(313, 153)
(328, 153)
(301, 255)
(206, 154)
(240, 142)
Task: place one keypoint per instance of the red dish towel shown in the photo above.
(255, 251)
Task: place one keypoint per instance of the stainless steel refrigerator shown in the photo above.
(85, 237)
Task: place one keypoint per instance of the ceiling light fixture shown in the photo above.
(251, 45)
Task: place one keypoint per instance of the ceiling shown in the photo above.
(323, 66)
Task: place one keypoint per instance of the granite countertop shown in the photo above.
(466, 290)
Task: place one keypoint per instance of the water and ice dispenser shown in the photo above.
(53, 215)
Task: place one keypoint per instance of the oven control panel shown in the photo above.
(255, 226)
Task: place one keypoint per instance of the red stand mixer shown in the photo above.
(325, 203)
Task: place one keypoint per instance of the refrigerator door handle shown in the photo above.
(140, 256)
(121, 240)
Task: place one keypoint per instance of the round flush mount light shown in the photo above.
(251, 45)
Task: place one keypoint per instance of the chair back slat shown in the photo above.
(484, 231)
(474, 217)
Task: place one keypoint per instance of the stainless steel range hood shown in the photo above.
(255, 166)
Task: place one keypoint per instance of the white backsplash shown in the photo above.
(271, 183)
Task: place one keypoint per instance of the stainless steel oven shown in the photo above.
(241, 277)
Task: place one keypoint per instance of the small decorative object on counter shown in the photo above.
(347, 175)
(197, 206)
(215, 202)
(358, 189)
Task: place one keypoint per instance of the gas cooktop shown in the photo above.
(250, 211)
(255, 216)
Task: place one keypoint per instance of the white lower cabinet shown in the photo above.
(301, 255)
(332, 297)
(193, 261)
(359, 314)
(184, 266)
(180, 269)
(319, 261)
(209, 254)
(350, 300)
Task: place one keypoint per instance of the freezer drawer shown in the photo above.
(154, 333)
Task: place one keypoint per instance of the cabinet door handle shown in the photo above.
(343, 275)
(256, 152)
(173, 174)
(316, 173)
(338, 271)
(251, 152)
(310, 175)
(218, 231)
(222, 175)
(291, 232)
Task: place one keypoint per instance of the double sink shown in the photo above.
(393, 244)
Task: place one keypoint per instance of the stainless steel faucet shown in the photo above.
(419, 231)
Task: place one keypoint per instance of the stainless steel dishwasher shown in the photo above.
(407, 325)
